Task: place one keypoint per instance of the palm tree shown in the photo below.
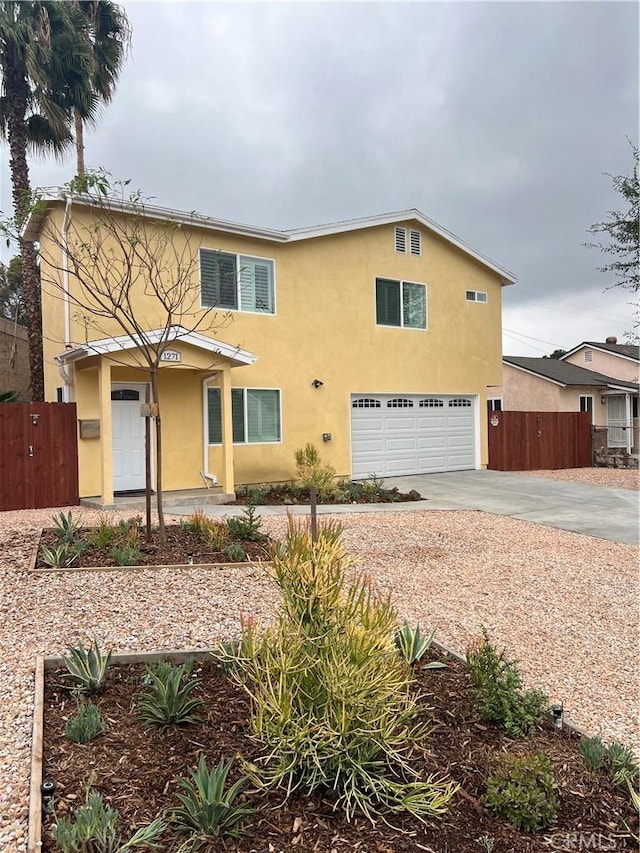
(48, 69)
(108, 32)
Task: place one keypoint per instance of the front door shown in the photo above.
(617, 421)
(128, 437)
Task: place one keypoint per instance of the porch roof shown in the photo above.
(235, 355)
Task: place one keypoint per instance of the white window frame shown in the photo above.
(400, 283)
(245, 412)
(476, 296)
(585, 397)
(491, 401)
(239, 309)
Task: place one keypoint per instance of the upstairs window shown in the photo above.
(401, 303)
(236, 282)
(476, 296)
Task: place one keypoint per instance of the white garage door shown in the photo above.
(394, 435)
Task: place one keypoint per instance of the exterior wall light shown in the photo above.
(317, 383)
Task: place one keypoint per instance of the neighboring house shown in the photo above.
(14, 359)
(374, 339)
(552, 385)
(621, 361)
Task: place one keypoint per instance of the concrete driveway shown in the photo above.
(593, 510)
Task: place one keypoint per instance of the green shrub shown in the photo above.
(235, 552)
(621, 764)
(208, 810)
(126, 555)
(104, 534)
(86, 725)
(331, 698)
(594, 752)
(61, 556)
(167, 701)
(66, 527)
(313, 472)
(413, 645)
(87, 668)
(247, 527)
(497, 686)
(524, 792)
(94, 829)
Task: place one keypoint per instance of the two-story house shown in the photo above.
(374, 339)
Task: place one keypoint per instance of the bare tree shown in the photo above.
(129, 274)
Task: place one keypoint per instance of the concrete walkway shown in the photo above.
(592, 510)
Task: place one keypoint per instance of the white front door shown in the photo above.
(128, 437)
(616, 421)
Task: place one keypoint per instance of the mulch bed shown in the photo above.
(134, 766)
(283, 495)
(180, 542)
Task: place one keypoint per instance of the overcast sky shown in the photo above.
(497, 120)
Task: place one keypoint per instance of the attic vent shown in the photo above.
(415, 242)
(401, 239)
(588, 355)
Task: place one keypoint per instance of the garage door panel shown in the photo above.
(389, 441)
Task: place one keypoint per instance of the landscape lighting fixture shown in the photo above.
(557, 713)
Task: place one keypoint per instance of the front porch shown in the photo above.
(215, 496)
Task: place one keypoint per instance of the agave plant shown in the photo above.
(209, 809)
(413, 645)
(66, 527)
(60, 556)
(87, 668)
(167, 701)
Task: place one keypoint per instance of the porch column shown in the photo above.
(228, 484)
(106, 434)
(629, 420)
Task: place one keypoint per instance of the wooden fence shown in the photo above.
(38, 455)
(530, 441)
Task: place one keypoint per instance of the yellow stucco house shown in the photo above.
(374, 339)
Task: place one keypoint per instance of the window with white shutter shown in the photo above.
(237, 282)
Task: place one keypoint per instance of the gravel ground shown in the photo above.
(564, 604)
(614, 478)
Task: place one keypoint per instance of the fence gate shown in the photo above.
(531, 441)
(38, 455)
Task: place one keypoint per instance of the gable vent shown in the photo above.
(588, 355)
(415, 243)
(401, 239)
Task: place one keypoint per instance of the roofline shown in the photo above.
(600, 349)
(614, 384)
(105, 346)
(533, 373)
(51, 195)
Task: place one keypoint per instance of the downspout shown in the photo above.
(66, 374)
(208, 478)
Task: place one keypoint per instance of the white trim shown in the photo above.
(106, 346)
(143, 385)
(587, 345)
(246, 442)
(33, 225)
(237, 255)
(401, 281)
(587, 397)
(533, 373)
